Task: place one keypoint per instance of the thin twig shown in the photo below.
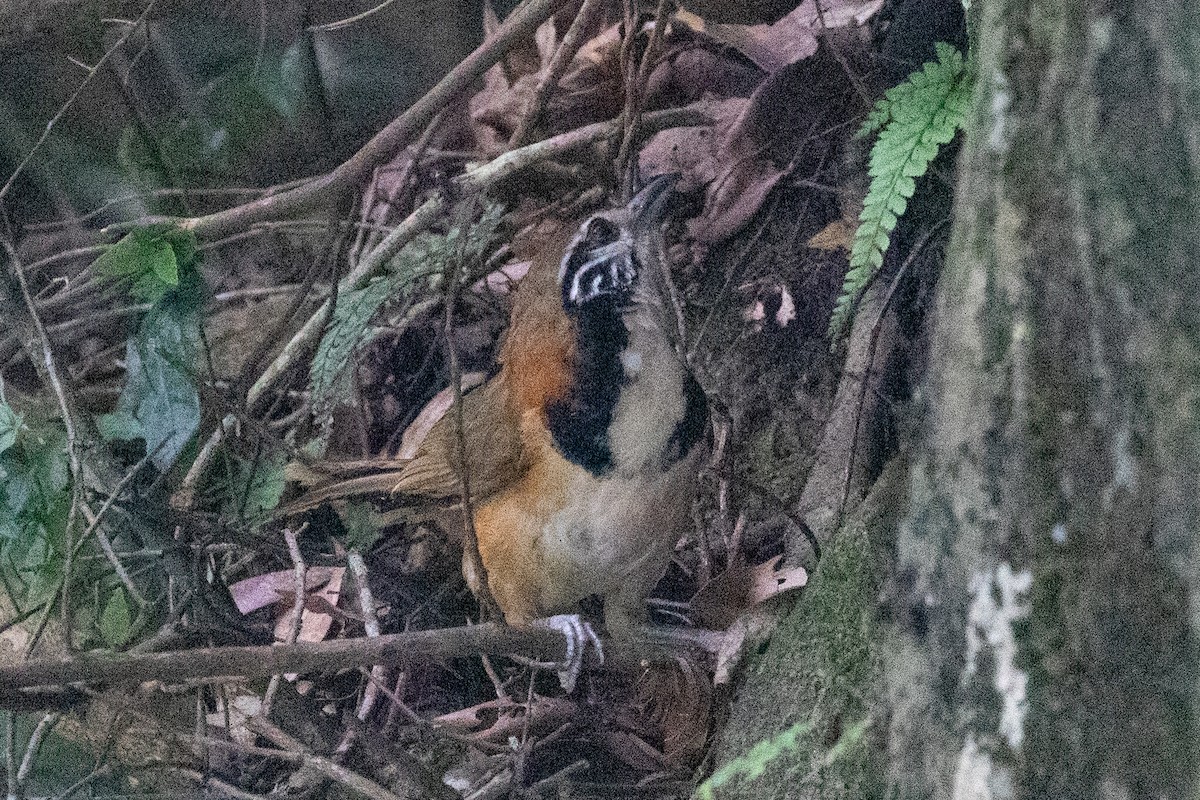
(525, 746)
(216, 191)
(348, 21)
(34, 745)
(735, 267)
(366, 604)
(89, 252)
(359, 784)
(117, 45)
(571, 42)
(357, 169)
(497, 684)
(629, 71)
(10, 753)
(213, 783)
(428, 727)
(482, 178)
(637, 77)
(876, 328)
(299, 572)
(734, 556)
(473, 566)
(21, 617)
(402, 198)
(106, 545)
(98, 772)
(109, 552)
(246, 749)
(50, 372)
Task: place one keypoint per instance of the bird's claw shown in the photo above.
(578, 634)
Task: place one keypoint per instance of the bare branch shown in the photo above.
(397, 135)
(563, 56)
(543, 644)
(477, 180)
(91, 73)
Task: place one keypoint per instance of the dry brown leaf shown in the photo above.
(733, 199)
(725, 597)
(495, 110)
(756, 142)
(744, 12)
(767, 580)
(773, 47)
(269, 588)
(434, 410)
(694, 66)
(588, 91)
(504, 280)
(837, 235)
(694, 153)
(725, 158)
(314, 625)
(679, 699)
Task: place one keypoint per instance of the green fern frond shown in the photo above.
(914, 119)
(750, 766)
(329, 376)
(424, 259)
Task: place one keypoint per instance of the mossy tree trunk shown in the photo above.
(1038, 635)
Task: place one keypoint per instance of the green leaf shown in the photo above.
(10, 424)
(751, 765)
(35, 501)
(116, 621)
(286, 87)
(162, 264)
(151, 261)
(159, 403)
(361, 529)
(257, 486)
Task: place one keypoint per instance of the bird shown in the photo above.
(582, 453)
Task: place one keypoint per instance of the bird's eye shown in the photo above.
(598, 232)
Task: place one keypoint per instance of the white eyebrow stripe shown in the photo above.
(604, 253)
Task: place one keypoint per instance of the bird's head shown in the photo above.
(613, 248)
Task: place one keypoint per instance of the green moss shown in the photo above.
(819, 672)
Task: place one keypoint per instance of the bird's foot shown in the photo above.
(579, 635)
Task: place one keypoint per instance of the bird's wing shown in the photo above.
(493, 448)
(495, 455)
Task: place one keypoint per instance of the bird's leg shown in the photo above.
(579, 634)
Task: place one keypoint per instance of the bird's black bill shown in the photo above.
(649, 205)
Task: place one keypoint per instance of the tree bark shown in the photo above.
(1038, 631)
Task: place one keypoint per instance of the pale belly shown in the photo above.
(584, 535)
